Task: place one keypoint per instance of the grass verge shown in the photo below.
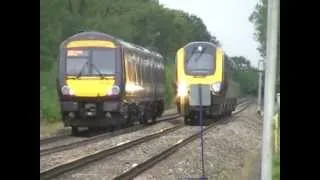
(276, 167)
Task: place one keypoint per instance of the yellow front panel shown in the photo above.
(91, 43)
(216, 77)
(90, 86)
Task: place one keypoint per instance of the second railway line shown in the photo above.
(69, 142)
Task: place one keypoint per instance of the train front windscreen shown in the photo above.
(91, 62)
(199, 62)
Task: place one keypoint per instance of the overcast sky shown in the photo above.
(227, 20)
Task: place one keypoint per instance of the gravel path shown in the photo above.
(227, 148)
(58, 158)
(112, 166)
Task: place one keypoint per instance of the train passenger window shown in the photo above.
(104, 60)
(156, 77)
(128, 67)
(140, 65)
(151, 71)
(131, 66)
(134, 70)
(146, 71)
(137, 65)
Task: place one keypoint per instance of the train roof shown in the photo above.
(232, 63)
(203, 42)
(95, 35)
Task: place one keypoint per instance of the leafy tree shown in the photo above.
(246, 76)
(259, 19)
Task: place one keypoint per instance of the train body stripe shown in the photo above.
(90, 86)
(91, 43)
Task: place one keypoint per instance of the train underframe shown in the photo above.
(115, 114)
(220, 106)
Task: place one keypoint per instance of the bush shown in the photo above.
(49, 105)
(276, 168)
(169, 91)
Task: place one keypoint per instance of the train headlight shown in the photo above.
(65, 90)
(115, 90)
(216, 87)
(182, 89)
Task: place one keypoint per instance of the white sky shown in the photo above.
(228, 20)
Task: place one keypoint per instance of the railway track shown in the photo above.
(138, 169)
(55, 171)
(60, 169)
(52, 139)
(81, 141)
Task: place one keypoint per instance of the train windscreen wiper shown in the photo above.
(198, 57)
(201, 53)
(82, 68)
(98, 70)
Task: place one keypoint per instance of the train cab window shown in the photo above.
(76, 61)
(104, 60)
(76, 64)
(199, 63)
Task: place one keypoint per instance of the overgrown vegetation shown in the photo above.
(246, 76)
(276, 167)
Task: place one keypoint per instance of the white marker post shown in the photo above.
(269, 88)
(260, 69)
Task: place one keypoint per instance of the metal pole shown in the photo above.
(269, 88)
(260, 68)
(201, 126)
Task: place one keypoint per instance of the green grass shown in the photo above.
(51, 128)
(169, 91)
(276, 167)
(49, 105)
(276, 161)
